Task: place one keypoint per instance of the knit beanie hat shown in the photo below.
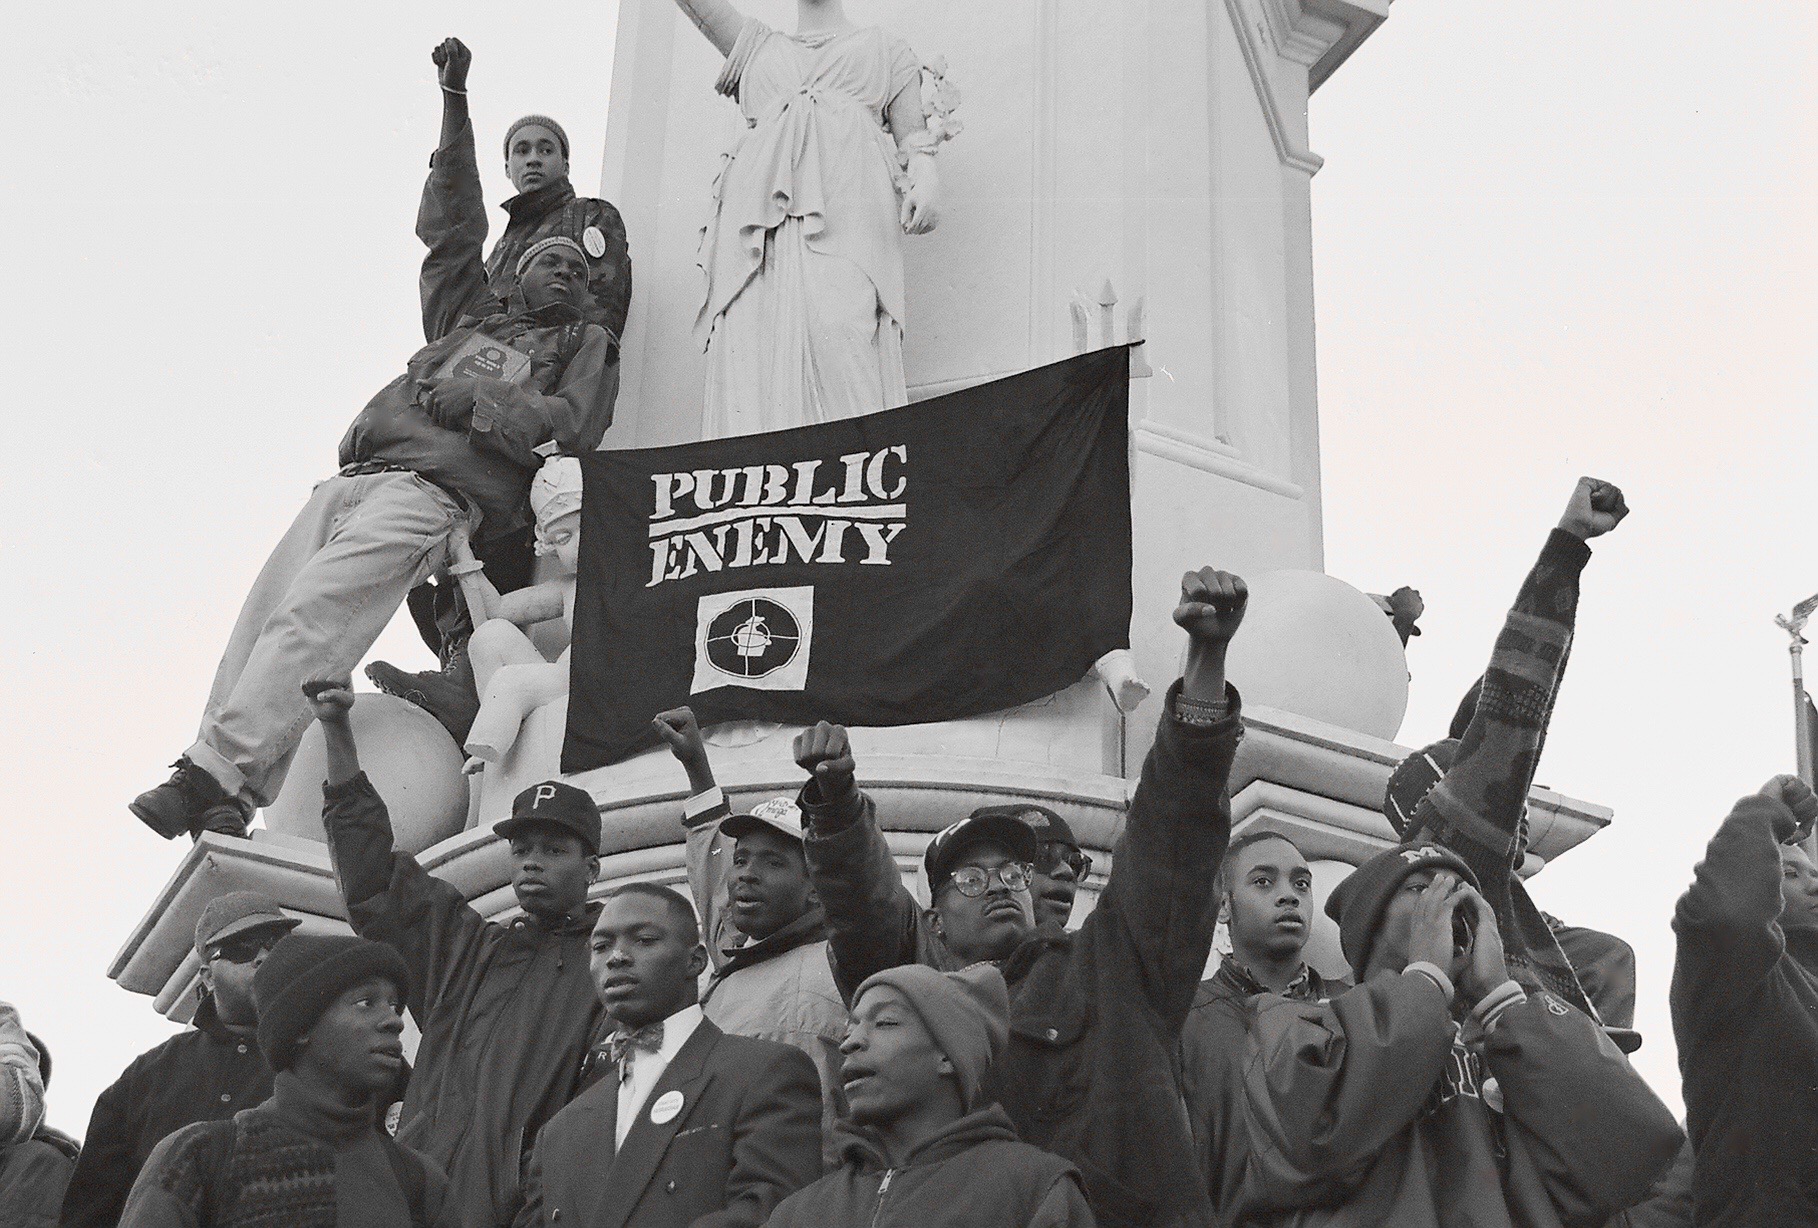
(541, 121)
(1357, 904)
(303, 976)
(967, 1012)
(542, 245)
(1414, 778)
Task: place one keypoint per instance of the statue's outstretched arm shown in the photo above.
(717, 19)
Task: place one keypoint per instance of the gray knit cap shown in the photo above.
(541, 121)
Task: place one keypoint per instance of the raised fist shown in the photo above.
(680, 732)
(1211, 605)
(825, 753)
(1797, 796)
(330, 699)
(1595, 508)
(452, 60)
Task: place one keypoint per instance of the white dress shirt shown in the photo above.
(647, 1068)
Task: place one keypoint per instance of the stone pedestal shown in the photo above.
(1157, 145)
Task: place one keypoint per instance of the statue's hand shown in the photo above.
(921, 211)
(452, 60)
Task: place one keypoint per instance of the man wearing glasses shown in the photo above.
(208, 1073)
(1095, 1014)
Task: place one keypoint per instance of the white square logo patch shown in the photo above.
(757, 638)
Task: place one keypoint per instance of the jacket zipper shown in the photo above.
(883, 1187)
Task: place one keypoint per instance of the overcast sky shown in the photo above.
(1551, 238)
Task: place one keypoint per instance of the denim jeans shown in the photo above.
(322, 599)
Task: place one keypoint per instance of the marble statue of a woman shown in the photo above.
(803, 320)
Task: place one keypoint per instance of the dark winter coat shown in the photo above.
(1369, 1109)
(1095, 1015)
(207, 1073)
(506, 1011)
(1745, 1016)
(33, 1176)
(974, 1174)
(452, 219)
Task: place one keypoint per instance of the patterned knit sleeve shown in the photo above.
(21, 1091)
(1479, 809)
(174, 1188)
(750, 39)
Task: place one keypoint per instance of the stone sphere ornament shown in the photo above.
(1317, 647)
(411, 761)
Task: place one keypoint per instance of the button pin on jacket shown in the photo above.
(666, 1107)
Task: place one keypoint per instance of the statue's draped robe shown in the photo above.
(803, 320)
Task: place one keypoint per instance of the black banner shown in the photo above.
(953, 557)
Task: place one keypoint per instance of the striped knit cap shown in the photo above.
(542, 245)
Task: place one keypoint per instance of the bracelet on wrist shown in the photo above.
(449, 89)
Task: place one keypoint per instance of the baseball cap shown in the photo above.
(235, 913)
(778, 814)
(554, 804)
(990, 825)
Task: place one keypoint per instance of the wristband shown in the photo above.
(449, 89)
(1199, 713)
(1434, 973)
(1490, 1007)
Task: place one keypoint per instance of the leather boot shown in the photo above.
(174, 807)
(449, 695)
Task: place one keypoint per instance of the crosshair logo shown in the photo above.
(752, 638)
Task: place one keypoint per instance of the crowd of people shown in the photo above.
(798, 1040)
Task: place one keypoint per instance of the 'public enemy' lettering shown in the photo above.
(708, 520)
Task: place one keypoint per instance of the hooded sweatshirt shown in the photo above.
(1745, 1016)
(973, 1174)
(1372, 1108)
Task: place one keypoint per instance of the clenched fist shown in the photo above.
(1211, 606)
(330, 699)
(825, 753)
(452, 60)
(1595, 508)
(1796, 796)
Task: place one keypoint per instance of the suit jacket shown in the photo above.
(748, 1135)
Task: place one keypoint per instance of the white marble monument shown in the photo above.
(1157, 146)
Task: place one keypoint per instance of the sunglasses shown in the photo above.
(974, 881)
(243, 950)
(1060, 853)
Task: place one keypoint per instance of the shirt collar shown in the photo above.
(677, 1029)
(539, 201)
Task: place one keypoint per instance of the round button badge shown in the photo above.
(594, 242)
(666, 1107)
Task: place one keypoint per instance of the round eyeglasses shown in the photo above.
(974, 881)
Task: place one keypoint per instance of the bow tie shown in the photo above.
(621, 1045)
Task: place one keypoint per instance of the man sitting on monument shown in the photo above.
(1266, 888)
(207, 1073)
(446, 448)
(1438, 1091)
(452, 218)
(1095, 1014)
(766, 933)
(506, 1010)
(690, 1127)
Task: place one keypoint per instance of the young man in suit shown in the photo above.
(689, 1126)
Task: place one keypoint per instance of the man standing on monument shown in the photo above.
(1266, 887)
(208, 1073)
(766, 932)
(506, 1011)
(448, 447)
(1095, 1014)
(452, 220)
(1745, 1013)
(690, 1127)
